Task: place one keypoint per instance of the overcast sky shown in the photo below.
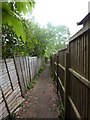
(61, 12)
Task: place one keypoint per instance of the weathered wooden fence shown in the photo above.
(15, 74)
(71, 68)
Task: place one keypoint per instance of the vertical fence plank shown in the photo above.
(29, 69)
(26, 73)
(28, 77)
(89, 73)
(67, 84)
(24, 69)
(57, 72)
(22, 73)
(88, 104)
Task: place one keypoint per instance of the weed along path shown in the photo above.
(42, 100)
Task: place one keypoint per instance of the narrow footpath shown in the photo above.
(42, 101)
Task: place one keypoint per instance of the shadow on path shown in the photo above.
(42, 100)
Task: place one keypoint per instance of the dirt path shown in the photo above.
(42, 100)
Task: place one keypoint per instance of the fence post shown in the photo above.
(88, 104)
(54, 70)
(88, 74)
(67, 84)
(57, 73)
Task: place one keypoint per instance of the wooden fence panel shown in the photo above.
(55, 68)
(89, 54)
(11, 98)
(5, 82)
(35, 64)
(79, 69)
(89, 73)
(74, 80)
(16, 93)
(3, 109)
(61, 64)
(79, 55)
(23, 72)
(28, 67)
(20, 75)
(12, 72)
(61, 72)
(15, 74)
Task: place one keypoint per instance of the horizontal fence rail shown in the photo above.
(15, 74)
(71, 67)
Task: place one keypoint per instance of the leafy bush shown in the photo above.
(30, 86)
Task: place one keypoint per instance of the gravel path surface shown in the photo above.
(42, 101)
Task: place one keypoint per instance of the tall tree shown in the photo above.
(58, 37)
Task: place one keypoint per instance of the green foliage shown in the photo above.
(23, 37)
(58, 37)
(24, 6)
(39, 73)
(61, 111)
(41, 70)
(13, 115)
(11, 44)
(36, 38)
(30, 86)
(35, 44)
(12, 15)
